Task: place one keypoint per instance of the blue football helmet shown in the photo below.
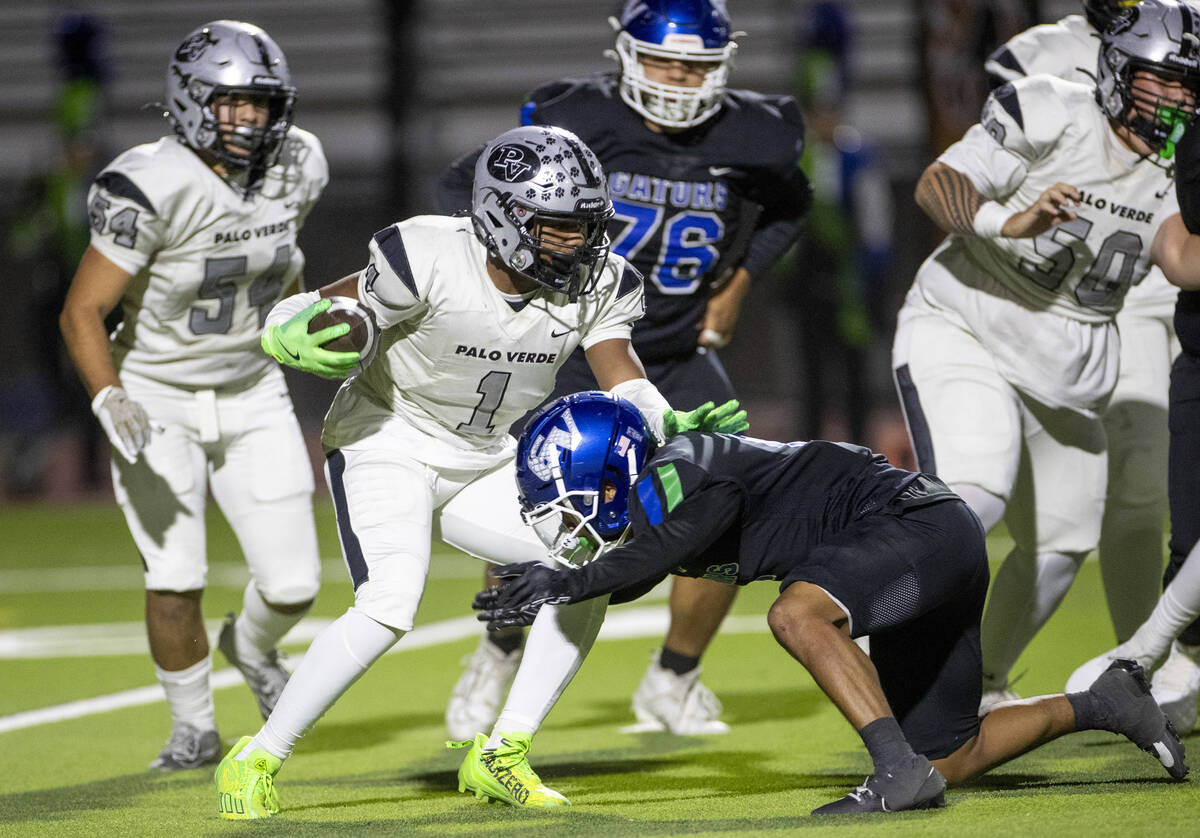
(684, 30)
(576, 462)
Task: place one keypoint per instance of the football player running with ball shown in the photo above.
(856, 546)
(1006, 349)
(476, 314)
(1135, 420)
(707, 193)
(194, 236)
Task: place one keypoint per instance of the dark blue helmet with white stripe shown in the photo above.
(576, 462)
(679, 30)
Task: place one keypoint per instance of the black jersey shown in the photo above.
(689, 206)
(1187, 321)
(736, 509)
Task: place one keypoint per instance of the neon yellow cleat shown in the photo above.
(246, 787)
(504, 773)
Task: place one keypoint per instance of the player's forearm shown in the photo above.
(87, 344)
(949, 198)
(1177, 252)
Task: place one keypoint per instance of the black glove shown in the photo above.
(1187, 177)
(524, 588)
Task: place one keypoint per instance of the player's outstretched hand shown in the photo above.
(292, 344)
(524, 588)
(124, 421)
(1052, 208)
(726, 419)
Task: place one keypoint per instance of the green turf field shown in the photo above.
(376, 763)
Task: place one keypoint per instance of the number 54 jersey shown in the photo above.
(207, 260)
(1035, 132)
(459, 361)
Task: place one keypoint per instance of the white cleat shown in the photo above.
(991, 699)
(1083, 677)
(1176, 686)
(678, 703)
(475, 702)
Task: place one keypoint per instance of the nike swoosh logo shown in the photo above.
(555, 334)
(719, 171)
(295, 356)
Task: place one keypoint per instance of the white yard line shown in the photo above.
(622, 623)
(36, 580)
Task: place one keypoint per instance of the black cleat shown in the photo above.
(919, 786)
(1123, 694)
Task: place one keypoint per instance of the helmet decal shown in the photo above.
(546, 448)
(513, 163)
(194, 46)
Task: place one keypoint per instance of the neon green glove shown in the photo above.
(726, 419)
(291, 344)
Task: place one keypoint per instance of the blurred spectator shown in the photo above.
(839, 299)
(954, 37)
(46, 235)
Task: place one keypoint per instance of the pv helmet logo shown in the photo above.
(513, 163)
(194, 46)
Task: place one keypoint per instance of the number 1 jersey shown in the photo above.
(459, 360)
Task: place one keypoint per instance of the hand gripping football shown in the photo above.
(363, 336)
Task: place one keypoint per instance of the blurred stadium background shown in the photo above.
(395, 90)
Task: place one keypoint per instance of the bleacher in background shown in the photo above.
(395, 90)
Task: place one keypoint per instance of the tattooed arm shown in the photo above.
(948, 198)
(953, 203)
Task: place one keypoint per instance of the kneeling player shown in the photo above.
(861, 548)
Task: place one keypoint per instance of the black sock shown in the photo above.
(677, 663)
(1089, 713)
(886, 744)
(506, 641)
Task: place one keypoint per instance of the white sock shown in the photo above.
(189, 694)
(1026, 591)
(989, 507)
(558, 641)
(259, 628)
(338, 656)
(1178, 606)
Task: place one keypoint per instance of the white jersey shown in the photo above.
(207, 262)
(1069, 49)
(457, 359)
(1041, 130)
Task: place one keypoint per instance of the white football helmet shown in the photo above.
(229, 57)
(1160, 37)
(535, 175)
(684, 30)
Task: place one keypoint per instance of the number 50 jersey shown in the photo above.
(1038, 131)
(207, 260)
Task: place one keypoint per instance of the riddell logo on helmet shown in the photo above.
(589, 204)
(513, 163)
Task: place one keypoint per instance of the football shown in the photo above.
(363, 334)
